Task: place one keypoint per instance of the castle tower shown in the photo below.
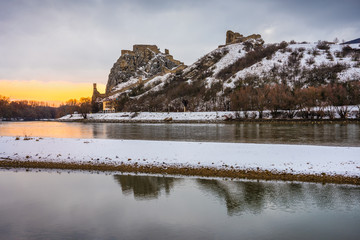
(95, 92)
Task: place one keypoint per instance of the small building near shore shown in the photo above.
(108, 107)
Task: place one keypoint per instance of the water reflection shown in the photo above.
(74, 205)
(252, 197)
(255, 197)
(316, 134)
(145, 187)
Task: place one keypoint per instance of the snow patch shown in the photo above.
(296, 159)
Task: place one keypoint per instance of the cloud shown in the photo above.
(80, 40)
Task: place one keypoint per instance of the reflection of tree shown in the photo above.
(239, 196)
(254, 197)
(144, 187)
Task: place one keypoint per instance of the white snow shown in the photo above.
(190, 116)
(154, 116)
(126, 84)
(297, 159)
(263, 67)
(155, 84)
(235, 52)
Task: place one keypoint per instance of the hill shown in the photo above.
(353, 41)
(217, 80)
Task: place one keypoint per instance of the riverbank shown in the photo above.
(202, 117)
(234, 160)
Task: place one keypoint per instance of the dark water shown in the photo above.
(43, 205)
(316, 134)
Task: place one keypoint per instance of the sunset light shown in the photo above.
(55, 92)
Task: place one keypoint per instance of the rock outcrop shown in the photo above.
(235, 37)
(146, 79)
(143, 62)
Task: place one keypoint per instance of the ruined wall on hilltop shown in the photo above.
(235, 37)
(143, 61)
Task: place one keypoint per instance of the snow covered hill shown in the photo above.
(208, 83)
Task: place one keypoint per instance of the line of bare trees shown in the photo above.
(34, 110)
(82, 106)
(308, 103)
(23, 109)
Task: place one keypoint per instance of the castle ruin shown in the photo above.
(235, 37)
(143, 62)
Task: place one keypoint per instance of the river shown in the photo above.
(40, 204)
(75, 205)
(279, 133)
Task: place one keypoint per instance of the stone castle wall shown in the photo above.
(235, 37)
(141, 48)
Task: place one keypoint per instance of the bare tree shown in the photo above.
(84, 106)
(185, 103)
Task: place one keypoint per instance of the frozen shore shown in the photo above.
(152, 117)
(278, 159)
(191, 116)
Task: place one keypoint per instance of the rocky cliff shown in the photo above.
(145, 79)
(143, 62)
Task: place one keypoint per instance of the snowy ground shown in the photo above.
(153, 116)
(185, 116)
(297, 159)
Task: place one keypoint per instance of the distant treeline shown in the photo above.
(307, 103)
(281, 100)
(33, 110)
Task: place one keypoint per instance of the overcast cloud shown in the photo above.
(80, 40)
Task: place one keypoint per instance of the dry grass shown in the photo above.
(185, 171)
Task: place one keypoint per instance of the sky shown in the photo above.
(53, 50)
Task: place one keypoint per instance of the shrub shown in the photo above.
(139, 89)
(310, 61)
(338, 54)
(346, 50)
(355, 57)
(249, 59)
(323, 45)
(329, 56)
(248, 46)
(283, 45)
(294, 59)
(323, 74)
(301, 49)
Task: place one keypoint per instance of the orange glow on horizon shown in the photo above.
(54, 93)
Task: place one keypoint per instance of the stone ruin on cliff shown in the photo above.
(144, 61)
(235, 37)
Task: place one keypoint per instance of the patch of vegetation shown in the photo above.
(139, 89)
(323, 74)
(310, 61)
(249, 59)
(323, 45)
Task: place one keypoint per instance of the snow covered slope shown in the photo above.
(208, 83)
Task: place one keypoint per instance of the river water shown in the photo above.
(42, 204)
(74, 205)
(279, 133)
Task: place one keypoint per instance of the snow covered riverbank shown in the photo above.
(191, 116)
(291, 159)
(152, 116)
